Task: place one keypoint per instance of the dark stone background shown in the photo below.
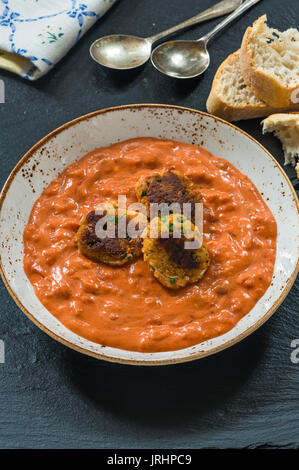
(51, 396)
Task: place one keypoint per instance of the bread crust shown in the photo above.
(280, 122)
(217, 105)
(267, 88)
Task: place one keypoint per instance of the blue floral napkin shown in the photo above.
(36, 34)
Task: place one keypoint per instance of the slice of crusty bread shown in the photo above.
(286, 128)
(231, 99)
(270, 63)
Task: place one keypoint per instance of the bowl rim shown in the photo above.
(96, 355)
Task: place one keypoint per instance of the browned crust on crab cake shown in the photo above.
(171, 264)
(167, 187)
(114, 251)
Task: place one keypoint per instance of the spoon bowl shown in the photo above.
(181, 59)
(125, 52)
(189, 59)
(121, 51)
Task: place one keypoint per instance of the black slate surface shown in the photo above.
(51, 396)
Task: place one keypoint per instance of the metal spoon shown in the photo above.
(123, 52)
(188, 59)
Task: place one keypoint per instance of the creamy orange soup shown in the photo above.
(125, 307)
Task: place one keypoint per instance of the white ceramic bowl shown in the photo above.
(70, 142)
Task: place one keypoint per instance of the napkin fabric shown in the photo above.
(36, 34)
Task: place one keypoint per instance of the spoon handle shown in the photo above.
(239, 11)
(221, 8)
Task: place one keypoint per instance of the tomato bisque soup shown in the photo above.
(126, 307)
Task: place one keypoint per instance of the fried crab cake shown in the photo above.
(114, 250)
(173, 263)
(167, 187)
